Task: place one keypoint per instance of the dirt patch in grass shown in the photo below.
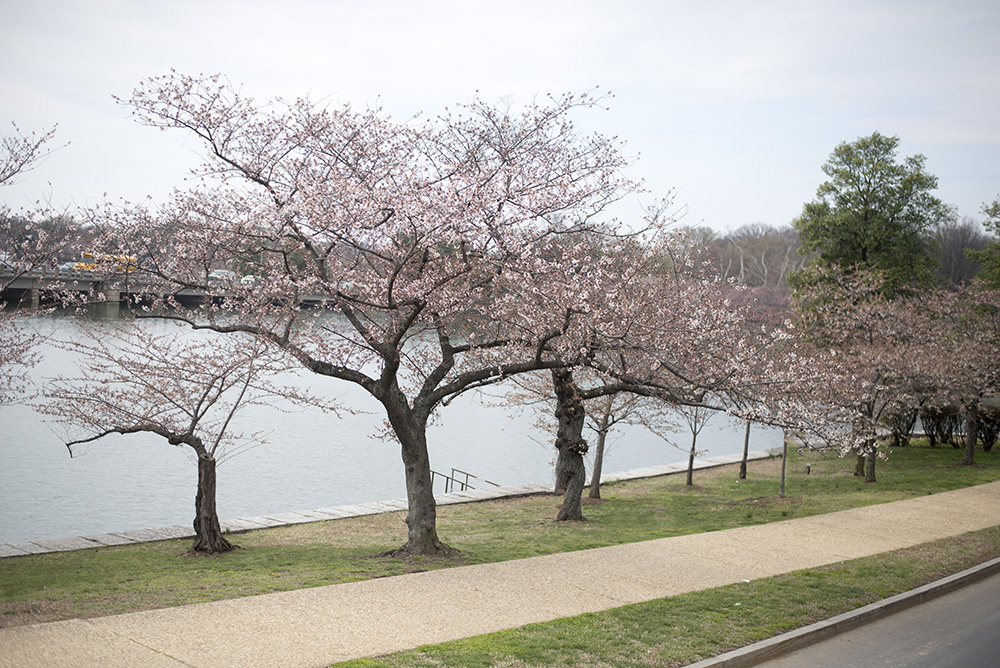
(401, 563)
(37, 611)
(514, 500)
(18, 613)
(336, 533)
(765, 502)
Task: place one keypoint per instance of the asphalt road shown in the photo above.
(957, 630)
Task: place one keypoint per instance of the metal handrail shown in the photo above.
(450, 481)
(468, 475)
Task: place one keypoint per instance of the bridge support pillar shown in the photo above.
(31, 297)
(108, 302)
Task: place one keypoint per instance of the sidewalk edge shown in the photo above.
(808, 635)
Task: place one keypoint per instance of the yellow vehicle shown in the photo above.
(106, 263)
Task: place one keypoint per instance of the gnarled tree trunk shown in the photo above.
(859, 465)
(971, 432)
(410, 427)
(208, 532)
(570, 471)
(563, 472)
(870, 467)
(421, 520)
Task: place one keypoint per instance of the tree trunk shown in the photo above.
(859, 465)
(870, 467)
(690, 473)
(208, 533)
(421, 520)
(784, 464)
(602, 436)
(572, 506)
(410, 427)
(746, 452)
(570, 470)
(988, 429)
(971, 432)
(932, 418)
(564, 471)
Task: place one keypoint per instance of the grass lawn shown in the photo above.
(111, 580)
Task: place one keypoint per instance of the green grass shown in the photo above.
(111, 580)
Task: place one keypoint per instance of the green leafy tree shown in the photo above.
(989, 258)
(874, 212)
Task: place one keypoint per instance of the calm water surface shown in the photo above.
(309, 460)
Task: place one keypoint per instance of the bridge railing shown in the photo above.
(51, 272)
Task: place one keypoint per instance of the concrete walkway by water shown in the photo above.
(128, 537)
(316, 627)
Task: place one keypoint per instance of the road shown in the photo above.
(957, 630)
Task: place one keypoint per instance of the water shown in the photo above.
(310, 459)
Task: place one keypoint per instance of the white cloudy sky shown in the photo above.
(734, 105)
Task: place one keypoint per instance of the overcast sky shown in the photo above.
(733, 105)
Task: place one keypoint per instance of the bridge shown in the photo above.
(30, 288)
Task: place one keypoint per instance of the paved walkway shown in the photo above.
(316, 627)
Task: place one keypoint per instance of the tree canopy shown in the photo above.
(874, 212)
(437, 244)
(989, 257)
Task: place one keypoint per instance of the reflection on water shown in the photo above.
(309, 460)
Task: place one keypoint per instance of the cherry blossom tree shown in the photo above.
(967, 353)
(566, 400)
(604, 414)
(19, 154)
(669, 334)
(682, 340)
(694, 417)
(873, 350)
(17, 356)
(433, 243)
(186, 390)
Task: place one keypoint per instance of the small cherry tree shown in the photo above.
(187, 390)
(19, 154)
(966, 353)
(680, 339)
(606, 412)
(871, 348)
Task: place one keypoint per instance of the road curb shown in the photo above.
(799, 638)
